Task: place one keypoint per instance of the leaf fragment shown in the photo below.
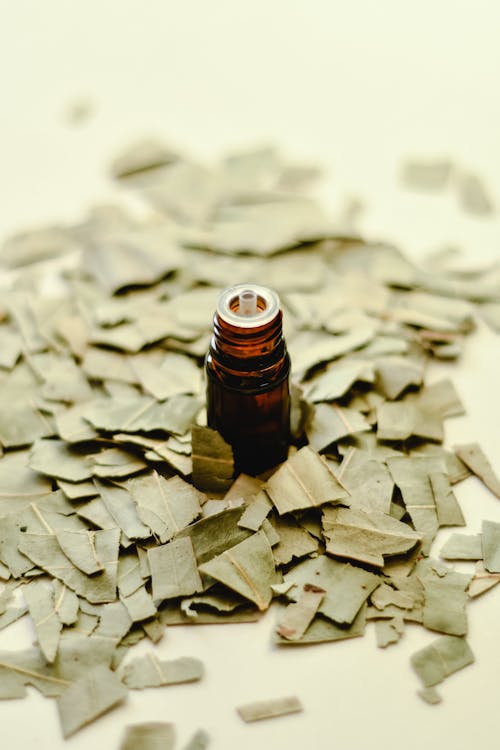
(148, 671)
(40, 600)
(98, 691)
(304, 481)
(270, 709)
(474, 458)
(213, 462)
(299, 615)
(151, 735)
(444, 656)
(173, 570)
(491, 546)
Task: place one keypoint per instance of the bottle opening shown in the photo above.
(248, 305)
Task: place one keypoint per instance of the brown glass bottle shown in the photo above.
(247, 367)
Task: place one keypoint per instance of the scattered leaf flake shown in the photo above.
(293, 541)
(165, 505)
(213, 462)
(139, 605)
(430, 175)
(441, 658)
(65, 603)
(367, 480)
(247, 568)
(388, 631)
(173, 570)
(474, 458)
(367, 537)
(152, 735)
(491, 546)
(257, 510)
(299, 615)
(463, 547)
(482, 581)
(79, 547)
(323, 630)
(98, 691)
(144, 155)
(53, 458)
(473, 195)
(331, 423)
(448, 510)
(430, 695)
(120, 505)
(269, 709)
(445, 601)
(148, 671)
(396, 374)
(40, 600)
(304, 481)
(199, 741)
(337, 379)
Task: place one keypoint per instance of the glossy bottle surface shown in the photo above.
(248, 367)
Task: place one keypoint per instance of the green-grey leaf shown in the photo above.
(85, 700)
(491, 546)
(270, 709)
(463, 547)
(152, 735)
(148, 671)
(441, 658)
(53, 458)
(330, 423)
(474, 458)
(40, 600)
(247, 568)
(213, 462)
(173, 570)
(304, 481)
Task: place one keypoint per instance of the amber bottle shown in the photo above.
(248, 368)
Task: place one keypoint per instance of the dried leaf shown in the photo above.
(367, 480)
(445, 600)
(427, 175)
(85, 700)
(473, 195)
(322, 630)
(139, 605)
(40, 600)
(53, 458)
(448, 510)
(299, 615)
(328, 423)
(257, 510)
(441, 658)
(173, 570)
(463, 547)
(396, 374)
(388, 631)
(79, 547)
(65, 603)
(293, 541)
(120, 505)
(199, 741)
(247, 568)
(213, 462)
(269, 709)
(152, 735)
(148, 671)
(482, 581)
(165, 505)
(337, 379)
(491, 546)
(474, 458)
(366, 537)
(304, 481)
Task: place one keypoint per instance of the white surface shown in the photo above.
(356, 86)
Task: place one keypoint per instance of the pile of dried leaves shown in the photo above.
(119, 512)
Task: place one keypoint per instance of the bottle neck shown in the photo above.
(252, 354)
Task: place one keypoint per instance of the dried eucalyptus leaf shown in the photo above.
(247, 568)
(40, 600)
(65, 603)
(395, 420)
(367, 480)
(430, 696)
(199, 741)
(482, 581)
(448, 510)
(299, 615)
(463, 547)
(388, 631)
(21, 424)
(171, 375)
(270, 709)
(441, 397)
(31, 668)
(130, 577)
(473, 195)
(213, 462)
(18, 482)
(143, 414)
(441, 658)
(491, 546)
(257, 510)
(323, 630)
(412, 476)
(212, 535)
(445, 601)
(328, 423)
(53, 458)
(79, 547)
(427, 175)
(396, 374)
(148, 671)
(145, 155)
(95, 511)
(347, 587)
(152, 735)
(173, 570)
(304, 481)
(474, 458)
(337, 379)
(120, 505)
(98, 691)
(11, 614)
(165, 505)
(44, 551)
(366, 537)
(139, 605)
(293, 541)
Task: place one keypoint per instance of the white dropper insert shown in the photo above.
(247, 303)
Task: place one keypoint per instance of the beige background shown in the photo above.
(357, 87)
